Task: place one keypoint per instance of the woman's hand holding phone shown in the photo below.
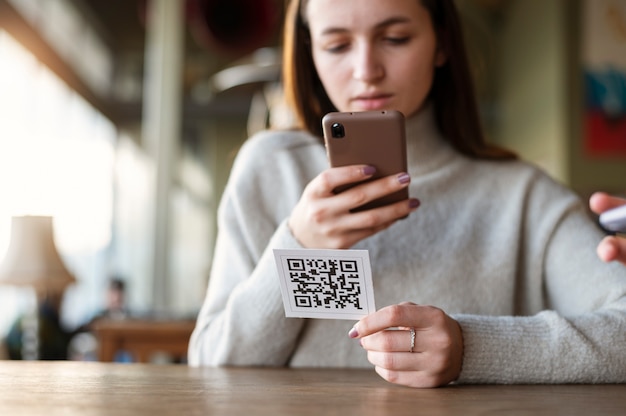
(612, 247)
(324, 219)
(366, 188)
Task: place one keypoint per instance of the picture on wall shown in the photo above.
(604, 65)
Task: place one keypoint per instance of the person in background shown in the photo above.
(115, 300)
(84, 345)
(494, 279)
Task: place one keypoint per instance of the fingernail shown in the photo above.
(404, 178)
(353, 333)
(414, 203)
(369, 170)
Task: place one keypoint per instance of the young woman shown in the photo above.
(503, 253)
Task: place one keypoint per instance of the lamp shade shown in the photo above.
(32, 258)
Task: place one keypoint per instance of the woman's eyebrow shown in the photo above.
(387, 22)
(392, 21)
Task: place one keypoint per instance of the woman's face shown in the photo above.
(373, 54)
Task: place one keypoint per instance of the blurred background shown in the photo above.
(120, 120)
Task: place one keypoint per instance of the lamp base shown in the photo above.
(30, 335)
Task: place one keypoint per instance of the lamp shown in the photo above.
(32, 260)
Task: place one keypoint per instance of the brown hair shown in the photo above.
(452, 92)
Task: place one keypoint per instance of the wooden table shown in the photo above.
(84, 388)
(142, 338)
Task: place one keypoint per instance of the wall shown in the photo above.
(532, 116)
(537, 103)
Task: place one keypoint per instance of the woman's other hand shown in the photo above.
(323, 218)
(611, 248)
(434, 337)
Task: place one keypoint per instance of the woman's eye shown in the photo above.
(336, 48)
(397, 40)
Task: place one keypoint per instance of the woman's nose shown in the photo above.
(367, 66)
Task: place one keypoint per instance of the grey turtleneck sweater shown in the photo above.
(502, 248)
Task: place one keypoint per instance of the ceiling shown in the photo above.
(219, 34)
(211, 45)
(121, 22)
(118, 22)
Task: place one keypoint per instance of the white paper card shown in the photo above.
(332, 284)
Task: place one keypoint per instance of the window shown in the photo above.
(56, 158)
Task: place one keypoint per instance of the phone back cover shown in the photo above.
(375, 138)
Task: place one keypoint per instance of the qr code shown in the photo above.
(322, 282)
(327, 283)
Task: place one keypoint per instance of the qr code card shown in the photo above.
(332, 284)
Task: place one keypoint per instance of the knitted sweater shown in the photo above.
(498, 245)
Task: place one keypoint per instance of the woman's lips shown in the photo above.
(372, 102)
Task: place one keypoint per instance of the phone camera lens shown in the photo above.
(337, 130)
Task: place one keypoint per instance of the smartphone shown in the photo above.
(375, 138)
(614, 220)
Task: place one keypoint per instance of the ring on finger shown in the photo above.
(412, 333)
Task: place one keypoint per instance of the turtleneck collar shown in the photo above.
(427, 150)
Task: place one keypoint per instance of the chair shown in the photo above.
(143, 339)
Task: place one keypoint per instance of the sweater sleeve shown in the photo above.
(242, 321)
(578, 338)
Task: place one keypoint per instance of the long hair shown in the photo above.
(452, 92)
